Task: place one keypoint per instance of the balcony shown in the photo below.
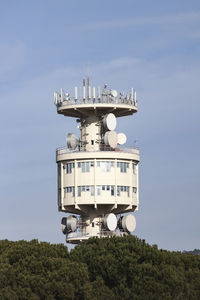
(104, 148)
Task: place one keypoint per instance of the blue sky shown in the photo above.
(153, 46)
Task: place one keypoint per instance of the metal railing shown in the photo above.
(80, 234)
(104, 99)
(65, 150)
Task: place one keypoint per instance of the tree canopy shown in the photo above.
(107, 268)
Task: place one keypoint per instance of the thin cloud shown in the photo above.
(143, 21)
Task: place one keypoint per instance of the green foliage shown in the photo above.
(108, 268)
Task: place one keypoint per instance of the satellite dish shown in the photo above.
(110, 138)
(63, 225)
(110, 222)
(127, 223)
(72, 141)
(113, 93)
(121, 138)
(72, 223)
(109, 121)
(69, 224)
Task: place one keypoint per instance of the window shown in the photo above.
(86, 188)
(92, 142)
(70, 189)
(91, 190)
(68, 167)
(105, 189)
(123, 166)
(112, 190)
(134, 189)
(134, 167)
(85, 166)
(105, 165)
(122, 188)
(98, 190)
(79, 191)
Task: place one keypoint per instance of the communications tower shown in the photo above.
(97, 176)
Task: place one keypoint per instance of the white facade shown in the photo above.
(97, 179)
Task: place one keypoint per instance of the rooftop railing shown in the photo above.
(65, 150)
(104, 99)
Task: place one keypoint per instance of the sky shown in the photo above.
(153, 46)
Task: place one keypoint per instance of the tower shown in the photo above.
(97, 176)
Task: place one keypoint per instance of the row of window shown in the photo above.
(100, 189)
(104, 165)
(107, 188)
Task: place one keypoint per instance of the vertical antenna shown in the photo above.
(135, 97)
(131, 94)
(99, 92)
(88, 88)
(61, 94)
(83, 88)
(94, 92)
(76, 93)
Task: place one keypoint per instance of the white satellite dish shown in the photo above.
(72, 141)
(109, 121)
(121, 138)
(113, 93)
(110, 138)
(110, 222)
(72, 223)
(128, 223)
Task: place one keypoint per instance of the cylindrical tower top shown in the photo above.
(106, 101)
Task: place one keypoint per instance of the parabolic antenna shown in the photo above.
(71, 223)
(109, 121)
(110, 138)
(110, 222)
(64, 225)
(128, 223)
(113, 93)
(72, 141)
(121, 138)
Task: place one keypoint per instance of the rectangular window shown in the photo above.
(79, 191)
(118, 190)
(112, 191)
(92, 190)
(68, 167)
(98, 190)
(134, 167)
(87, 167)
(103, 187)
(134, 190)
(108, 188)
